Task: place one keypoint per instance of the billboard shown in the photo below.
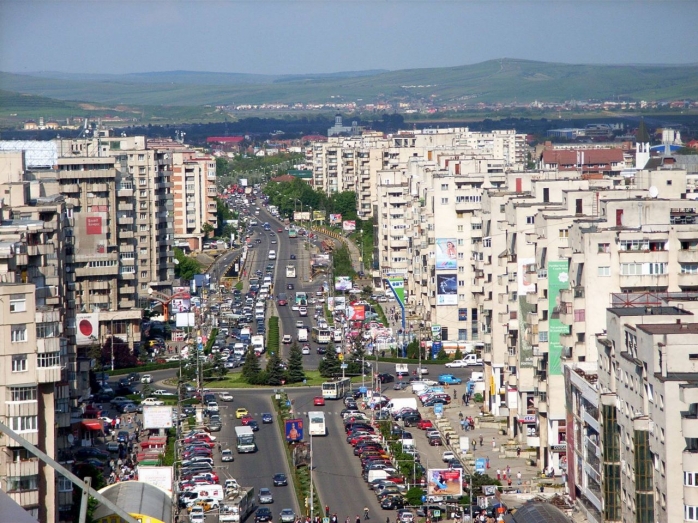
(185, 319)
(446, 254)
(294, 430)
(343, 283)
(87, 332)
(91, 232)
(349, 225)
(356, 312)
(436, 344)
(524, 286)
(446, 289)
(558, 279)
(318, 216)
(243, 182)
(301, 216)
(161, 477)
(157, 417)
(335, 219)
(444, 482)
(397, 285)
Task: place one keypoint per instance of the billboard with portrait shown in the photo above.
(294, 430)
(356, 312)
(343, 283)
(446, 289)
(446, 254)
(444, 482)
(335, 219)
(349, 225)
(87, 329)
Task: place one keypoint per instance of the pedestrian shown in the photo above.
(487, 463)
(462, 425)
(327, 511)
(474, 445)
(481, 440)
(499, 474)
(387, 520)
(518, 452)
(508, 472)
(518, 478)
(494, 443)
(509, 482)
(463, 399)
(358, 519)
(366, 516)
(118, 422)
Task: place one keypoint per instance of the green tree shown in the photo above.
(223, 214)
(207, 228)
(414, 496)
(295, 365)
(274, 372)
(344, 203)
(329, 365)
(413, 349)
(458, 355)
(186, 267)
(189, 367)
(218, 370)
(251, 368)
(442, 355)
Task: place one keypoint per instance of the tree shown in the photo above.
(186, 267)
(413, 349)
(329, 365)
(295, 364)
(123, 357)
(251, 368)
(344, 203)
(458, 355)
(274, 372)
(207, 228)
(189, 367)
(442, 355)
(218, 370)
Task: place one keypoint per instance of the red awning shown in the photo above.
(92, 424)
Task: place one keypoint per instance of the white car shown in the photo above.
(147, 378)
(305, 350)
(152, 402)
(225, 396)
(287, 338)
(227, 455)
(300, 324)
(162, 392)
(303, 311)
(448, 456)
(456, 364)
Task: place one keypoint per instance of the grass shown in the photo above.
(238, 285)
(236, 381)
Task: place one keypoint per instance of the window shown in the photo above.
(461, 283)
(444, 187)
(144, 274)
(530, 220)
(142, 182)
(477, 226)
(64, 484)
(49, 359)
(487, 242)
(47, 329)
(460, 228)
(19, 333)
(24, 423)
(459, 241)
(23, 393)
(563, 233)
(462, 314)
(462, 334)
(543, 336)
(579, 315)
(444, 201)
(690, 479)
(689, 268)
(22, 483)
(143, 193)
(18, 303)
(690, 513)
(604, 271)
(143, 216)
(461, 269)
(604, 247)
(634, 245)
(460, 256)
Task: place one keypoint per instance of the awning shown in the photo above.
(92, 424)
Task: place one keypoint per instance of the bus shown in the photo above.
(335, 390)
(245, 440)
(302, 298)
(292, 232)
(316, 426)
(321, 336)
(290, 271)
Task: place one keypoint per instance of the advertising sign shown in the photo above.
(301, 216)
(397, 285)
(356, 312)
(436, 344)
(480, 465)
(349, 225)
(444, 482)
(294, 430)
(342, 283)
(335, 219)
(529, 419)
(243, 182)
(161, 477)
(157, 417)
(330, 303)
(446, 254)
(181, 304)
(524, 277)
(446, 289)
(185, 319)
(87, 331)
(558, 279)
(91, 232)
(318, 216)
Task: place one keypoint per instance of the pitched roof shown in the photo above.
(641, 135)
(591, 157)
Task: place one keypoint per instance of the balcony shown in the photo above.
(532, 298)
(593, 423)
(70, 188)
(127, 304)
(532, 318)
(125, 234)
(468, 206)
(48, 345)
(48, 374)
(125, 206)
(124, 193)
(512, 380)
(35, 250)
(97, 187)
(81, 272)
(564, 252)
(125, 220)
(531, 237)
(689, 427)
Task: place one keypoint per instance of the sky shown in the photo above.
(323, 36)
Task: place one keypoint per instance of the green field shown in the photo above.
(503, 81)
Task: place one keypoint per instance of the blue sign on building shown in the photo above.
(480, 465)
(436, 347)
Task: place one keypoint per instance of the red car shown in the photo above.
(279, 230)
(424, 424)
(282, 303)
(319, 401)
(246, 420)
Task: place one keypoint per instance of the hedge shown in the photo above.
(144, 368)
(273, 336)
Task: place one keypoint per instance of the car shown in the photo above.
(281, 302)
(119, 400)
(146, 378)
(435, 441)
(448, 456)
(286, 339)
(246, 419)
(305, 350)
(425, 424)
(240, 412)
(318, 401)
(225, 396)
(386, 378)
(262, 515)
(400, 385)
(128, 408)
(91, 452)
(113, 446)
(253, 425)
(287, 515)
(227, 455)
(265, 496)
(273, 241)
(293, 256)
(393, 502)
(279, 230)
(280, 480)
(163, 392)
(321, 350)
(152, 402)
(267, 417)
(448, 379)
(290, 286)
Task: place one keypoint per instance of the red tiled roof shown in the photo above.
(225, 139)
(284, 178)
(314, 138)
(592, 157)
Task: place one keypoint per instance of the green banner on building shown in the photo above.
(558, 279)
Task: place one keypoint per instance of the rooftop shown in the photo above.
(649, 311)
(669, 328)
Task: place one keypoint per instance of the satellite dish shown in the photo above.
(654, 192)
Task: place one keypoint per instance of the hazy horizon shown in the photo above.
(305, 37)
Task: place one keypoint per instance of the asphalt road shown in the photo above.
(257, 469)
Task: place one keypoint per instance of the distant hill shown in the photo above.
(504, 80)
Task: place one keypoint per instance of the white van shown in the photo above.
(272, 255)
(209, 491)
(302, 335)
(376, 474)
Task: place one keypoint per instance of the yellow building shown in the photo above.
(146, 503)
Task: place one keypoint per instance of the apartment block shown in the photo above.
(38, 359)
(648, 378)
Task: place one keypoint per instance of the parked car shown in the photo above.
(225, 396)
